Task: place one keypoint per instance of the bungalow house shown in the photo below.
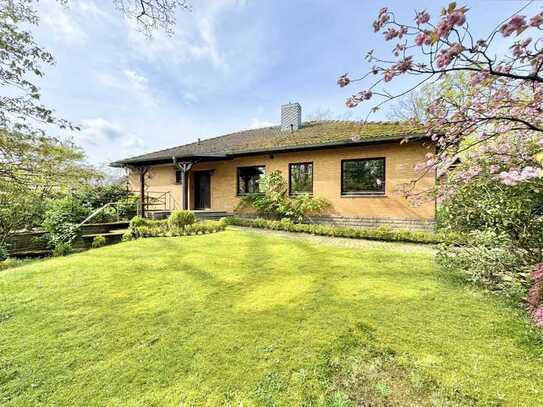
(358, 170)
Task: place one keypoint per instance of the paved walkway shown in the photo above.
(340, 241)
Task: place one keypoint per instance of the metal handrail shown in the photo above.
(97, 211)
(92, 215)
(165, 199)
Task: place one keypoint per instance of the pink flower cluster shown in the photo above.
(514, 176)
(519, 48)
(423, 38)
(382, 18)
(422, 17)
(456, 17)
(517, 24)
(535, 295)
(446, 56)
(392, 33)
(537, 20)
(354, 100)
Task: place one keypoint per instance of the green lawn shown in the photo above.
(244, 317)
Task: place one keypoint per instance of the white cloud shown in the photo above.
(100, 137)
(60, 23)
(257, 123)
(132, 84)
(195, 40)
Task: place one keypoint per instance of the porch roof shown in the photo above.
(312, 135)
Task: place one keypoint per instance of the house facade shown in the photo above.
(360, 171)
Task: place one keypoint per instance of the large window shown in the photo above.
(249, 179)
(300, 178)
(363, 177)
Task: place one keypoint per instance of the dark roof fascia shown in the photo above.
(338, 144)
(194, 158)
(305, 147)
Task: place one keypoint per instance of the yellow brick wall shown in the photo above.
(400, 162)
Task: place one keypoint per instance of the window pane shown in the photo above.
(363, 176)
(301, 178)
(249, 179)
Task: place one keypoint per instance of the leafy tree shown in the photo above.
(500, 118)
(32, 173)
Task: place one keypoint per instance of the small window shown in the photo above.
(363, 177)
(249, 179)
(300, 178)
(178, 177)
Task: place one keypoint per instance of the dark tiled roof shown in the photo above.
(310, 135)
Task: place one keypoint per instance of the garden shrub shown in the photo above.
(381, 233)
(3, 252)
(487, 258)
(62, 249)
(140, 227)
(180, 219)
(504, 229)
(275, 203)
(98, 241)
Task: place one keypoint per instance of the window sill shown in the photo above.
(300, 194)
(250, 194)
(377, 195)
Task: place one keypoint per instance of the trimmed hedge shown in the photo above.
(140, 227)
(381, 233)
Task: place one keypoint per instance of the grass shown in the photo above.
(243, 317)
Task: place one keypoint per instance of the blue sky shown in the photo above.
(230, 66)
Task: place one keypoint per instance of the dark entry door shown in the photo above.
(202, 190)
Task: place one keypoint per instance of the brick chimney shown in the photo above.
(291, 117)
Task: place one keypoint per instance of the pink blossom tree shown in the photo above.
(496, 127)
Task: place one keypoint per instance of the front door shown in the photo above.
(202, 190)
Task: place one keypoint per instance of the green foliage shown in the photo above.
(275, 202)
(141, 227)
(504, 229)
(63, 214)
(98, 241)
(181, 219)
(62, 249)
(380, 233)
(128, 235)
(489, 259)
(3, 252)
(51, 168)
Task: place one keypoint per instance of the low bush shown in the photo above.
(181, 219)
(140, 227)
(98, 241)
(487, 258)
(3, 252)
(276, 203)
(381, 233)
(62, 249)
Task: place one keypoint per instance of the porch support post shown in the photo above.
(184, 167)
(142, 171)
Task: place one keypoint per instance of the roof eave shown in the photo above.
(219, 156)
